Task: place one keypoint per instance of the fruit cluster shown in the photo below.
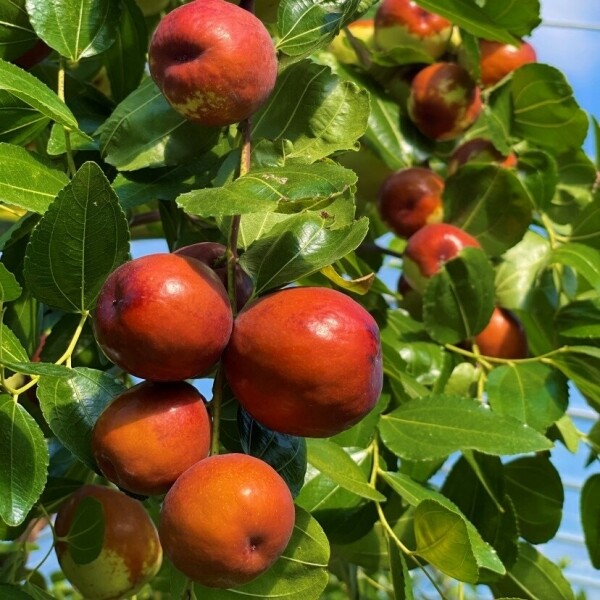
(443, 101)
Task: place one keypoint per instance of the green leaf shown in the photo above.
(538, 172)
(331, 460)
(580, 320)
(285, 453)
(27, 180)
(11, 349)
(533, 577)
(73, 28)
(401, 580)
(581, 364)
(577, 175)
(12, 592)
(470, 17)
(35, 94)
(299, 574)
(9, 286)
(590, 517)
(16, 34)
(536, 490)
(395, 368)
(586, 226)
(79, 241)
(144, 131)
(490, 203)
(519, 270)
(459, 300)
(79, 141)
(313, 109)
(439, 523)
(19, 122)
(126, 58)
(585, 261)
(533, 393)
(86, 534)
(545, 112)
(520, 18)
(24, 459)
(301, 245)
(269, 189)
(38, 368)
(436, 426)
(72, 406)
(305, 26)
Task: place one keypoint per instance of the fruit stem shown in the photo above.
(66, 357)
(67, 131)
(215, 408)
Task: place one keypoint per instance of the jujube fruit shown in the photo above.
(163, 317)
(444, 101)
(305, 361)
(150, 434)
(429, 248)
(214, 62)
(403, 23)
(503, 336)
(497, 59)
(410, 199)
(479, 150)
(226, 520)
(131, 554)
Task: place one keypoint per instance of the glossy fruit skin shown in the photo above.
(226, 520)
(444, 101)
(212, 254)
(410, 199)
(363, 30)
(503, 336)
(214, 62)
(429, 248)
(498, 60)
(305, 361)
(163, 317)
(405, 23)
(131, 553)
(479, 150)
(150, 434)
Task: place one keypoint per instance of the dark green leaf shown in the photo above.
(580, 319)
(545, 112)
(28, 181)
(86, 534)
(305, 26)
(577, 175)
(12, 592)
(403, 589)
(72, 406)
(590, 517)
(38, 368)
(299, 574)
(80, 240)
(436, 426)
(298, 247)
(9, 286)
(533, 393)
(469, 16)
(490, 203)
(144, 131)
(24, 459)
(11, 350)
(520, 18)
(34, 93)
(313, 109)
(126, 58)
(586, 226)
(533, 577)
(16, 34)
(19, 122)
(285, 453)
(539, 173)
(73, 28)
(459, 300)
(331, 460)
(270, 189)
(581, 364)
(585, 261)
(536, 490)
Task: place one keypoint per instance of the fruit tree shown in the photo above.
(344, 367)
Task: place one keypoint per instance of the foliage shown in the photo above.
(93, 157)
